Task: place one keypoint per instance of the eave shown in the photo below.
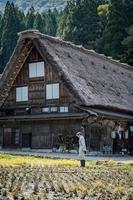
(108, 114)
(42, 117)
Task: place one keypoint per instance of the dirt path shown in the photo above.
(74, 156)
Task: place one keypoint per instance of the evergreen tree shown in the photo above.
(21, 16)
(115, 31)
(1, 27)
(51, 23)
(103, 14)
(0, 17)
(43, 15)
(55, 12)
(30, 17)
(39, 23)
(80, 22)
(11, 26)
(101, 2)
(129, 11)
(62, 19)
(128, 43)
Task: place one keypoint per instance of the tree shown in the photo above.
(51, 23)
(62, 19)
(30, 17)
(1, 27)
(101, 2)
(39, 23)
(128, 43)
(115, 30)
(80, 21)
(22, 17)
(11, 26)
(103, 14)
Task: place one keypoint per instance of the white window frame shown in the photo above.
(46, 109)
(21, 95)
(52, 91)
(34, 71)
(53, 109)
(50, 109)
(63, 109)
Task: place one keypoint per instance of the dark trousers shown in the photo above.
(82, 163)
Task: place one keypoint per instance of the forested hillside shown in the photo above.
(102, 25)
(14, 20)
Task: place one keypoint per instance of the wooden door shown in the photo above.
(26, 140)
(96, 134)
(7, 137)
(11, 138)
(15, 137)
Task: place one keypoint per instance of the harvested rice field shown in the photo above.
(32, 178)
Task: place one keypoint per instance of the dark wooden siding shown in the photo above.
(40, 134)
(37, 87)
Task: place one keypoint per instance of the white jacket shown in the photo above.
(82, 148)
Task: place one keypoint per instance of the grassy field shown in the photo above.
(27, 177)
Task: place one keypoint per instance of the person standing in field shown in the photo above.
(82, 149)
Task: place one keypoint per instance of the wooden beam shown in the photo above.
(15, 71)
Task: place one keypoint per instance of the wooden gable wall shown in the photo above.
(37, 87)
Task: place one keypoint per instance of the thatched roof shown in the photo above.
(96, 79)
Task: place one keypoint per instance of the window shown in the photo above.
(12, 136)
(46, 109)
(54, 109)
(50, 109)
(52, 91)
(15, 136)
(21, 94)
(64, 109)
(36, 69)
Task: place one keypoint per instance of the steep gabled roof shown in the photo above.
(96, 79)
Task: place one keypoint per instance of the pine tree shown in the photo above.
(62, 19)
(22, 17)
(80, 22)
(51, 23)
(115, 31)
(30, 17)
(11, 26)
(129, 11)
(55, 12)
(43, 15)
(0, 17)
(39, 23)
(128, 43)
(103, 15)
(1, 27)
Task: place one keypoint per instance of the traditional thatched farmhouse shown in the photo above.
(51, 88)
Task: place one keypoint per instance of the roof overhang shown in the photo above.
(109, 114)
(54, 116)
